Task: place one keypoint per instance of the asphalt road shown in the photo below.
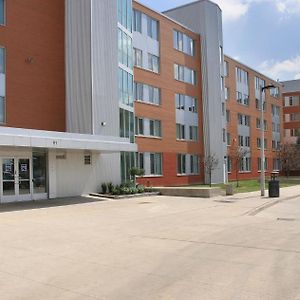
(152, 248)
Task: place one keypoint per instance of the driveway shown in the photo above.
(152, 248)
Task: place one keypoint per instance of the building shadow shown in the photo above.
(19, 206)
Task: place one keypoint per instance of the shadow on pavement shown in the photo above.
(19, 206)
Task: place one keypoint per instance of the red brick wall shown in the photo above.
(35, 92)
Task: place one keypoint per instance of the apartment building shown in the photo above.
(291, 110)
(168, 99)
(66, 117)
(175, 103)
(243, 117)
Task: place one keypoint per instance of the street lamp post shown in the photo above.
(262, 146)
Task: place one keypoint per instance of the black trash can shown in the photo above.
(274, 189)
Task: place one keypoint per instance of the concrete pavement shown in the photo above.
(241, 247)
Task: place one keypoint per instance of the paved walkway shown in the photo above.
(242, 247)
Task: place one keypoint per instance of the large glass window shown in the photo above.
(147, 93)
(2, 12)
(137, 21)
(127, 124)
(125, 13)
(125, 87)
(181, 164)
(155, 163)
(194, 162)
(180, 132)
(39, 160)
(153, 63)
(184, 74)
(138, 58)
(194, 133)
(155, 128)
(183, 43)
(125, 50)
(152, 28)
(127, 163)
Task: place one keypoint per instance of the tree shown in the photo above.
(238, 154)
(134, 172)
(211, 163)
(289, 156)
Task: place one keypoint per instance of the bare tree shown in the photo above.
(238, 154)
(211, 163)
(289, 156)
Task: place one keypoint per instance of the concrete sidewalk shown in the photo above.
(154, 248)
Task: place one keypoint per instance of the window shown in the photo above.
(258, 104)
(181, 164)
(155, 128)
(152, 28)
(126, 124)
(226, 68)
(259, 163)
(259, 83)
(2, 110)
(240, 119)
(139, 126)
(180, 101)
(153, 63)
(276, 164)
(147, 93)
(247, 121)
(140, 160)
(124, 48)
(138, 57)
(125, 87)
(137, 21)
(184, 74)
(155, 163)
(227, 116)
(244, 120)
(2, 12)
(194, 133)
(247, 141)
(183, 43)
(194, 162)
(192, 102)
(239, 97)
(245, 164)
(229, 164)
(241, 141)
(258, 143)
(258, 123)
(274, 92)
(125, 13)
(2, 60)
(180, 132)
(228, 139)
(87, 159)
(227, 93)
(241, 76)
(224, 135)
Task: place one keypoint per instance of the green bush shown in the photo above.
(124, 190)
(116, 190)
(140, 189)
(104, 188)
(110, 187)
(149, 190)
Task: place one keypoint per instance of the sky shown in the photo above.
(263, 34)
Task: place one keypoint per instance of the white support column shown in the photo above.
(52, 173)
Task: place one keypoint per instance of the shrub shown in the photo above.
(116, 190)
(149, 190)
(104, 188)
(110, 187)
(140, 189)
(124, 190)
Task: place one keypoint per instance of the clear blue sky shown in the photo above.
(264, 34)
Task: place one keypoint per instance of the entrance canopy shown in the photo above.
(18, 137)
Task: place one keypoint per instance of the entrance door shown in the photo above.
(16, 183)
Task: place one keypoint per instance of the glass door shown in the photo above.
(23, 181)
(16, 180)
(8, 179)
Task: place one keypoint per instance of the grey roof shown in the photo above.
(291, 86)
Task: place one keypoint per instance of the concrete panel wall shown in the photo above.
(105, 100)
(78, 67)
(74, 178)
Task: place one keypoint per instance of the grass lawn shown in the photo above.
(252, 185)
